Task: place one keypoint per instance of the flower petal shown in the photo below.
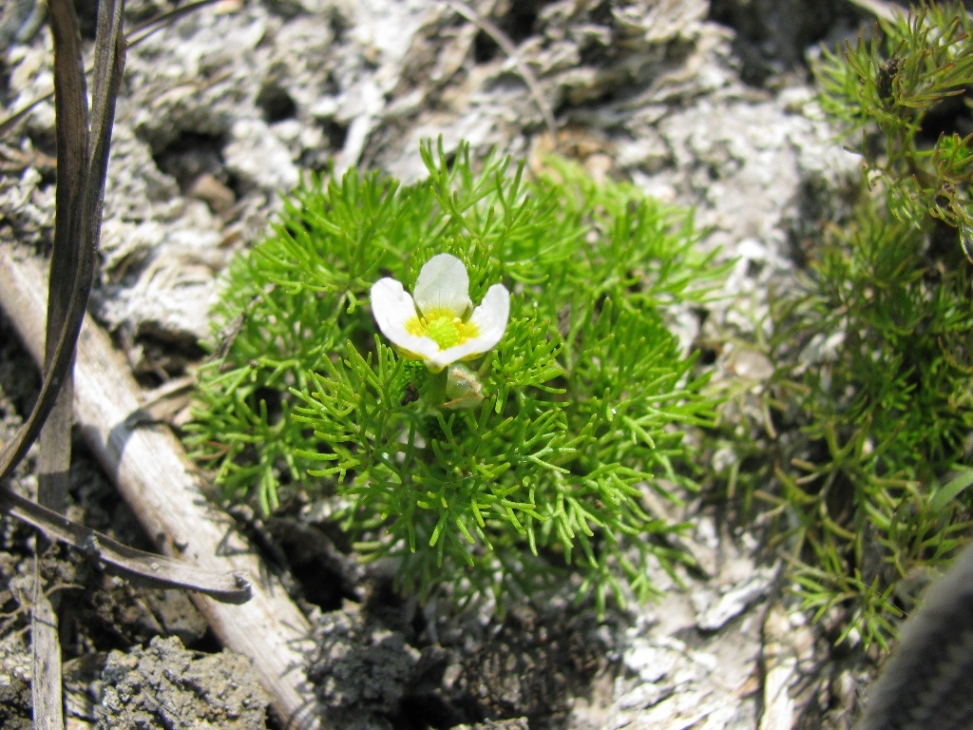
(392, 308)
(491, 316)
(490, 319)
(443, 284)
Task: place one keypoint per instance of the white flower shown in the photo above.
(437, 327)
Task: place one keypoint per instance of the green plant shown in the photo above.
(894, 82)
(874, 353)
(576, 412)
(887, 413)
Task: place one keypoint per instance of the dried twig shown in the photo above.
(45, 686)
(153, 475)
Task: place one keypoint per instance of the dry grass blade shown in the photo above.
(82, 168)
(75, 237)
(268, 629)
(145, 568)
(109, 62)
(150, 26)
(71, 259)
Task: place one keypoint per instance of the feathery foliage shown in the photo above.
(894, 83)
(585, 397)
(874, 355)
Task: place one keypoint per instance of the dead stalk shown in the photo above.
(151, 472)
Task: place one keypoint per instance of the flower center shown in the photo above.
(443, 327)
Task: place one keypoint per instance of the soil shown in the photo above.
(700, 103)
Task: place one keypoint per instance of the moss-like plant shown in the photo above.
(874, 353)
(884, 333)
(895, 82)
(488, 475)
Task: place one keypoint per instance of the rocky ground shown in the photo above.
(701, 103)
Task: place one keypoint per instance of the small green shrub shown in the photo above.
(885, 332)
(893, 83)
(872, 397)
(580, 407)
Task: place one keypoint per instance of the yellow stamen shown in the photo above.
(443, 327)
